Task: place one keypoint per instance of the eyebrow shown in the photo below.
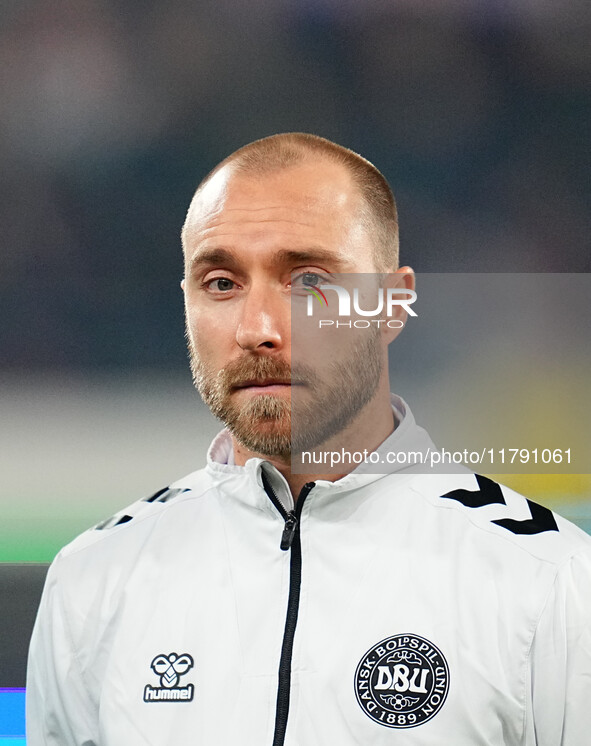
(212, 258)
(226, 257)
(307, 256)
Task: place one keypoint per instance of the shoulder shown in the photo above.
(126, 531)
(91, 577)
(499, 518)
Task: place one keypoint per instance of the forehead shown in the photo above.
(314, 200)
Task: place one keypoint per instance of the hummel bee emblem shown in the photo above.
(170, 668)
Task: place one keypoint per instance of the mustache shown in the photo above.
(258, 368)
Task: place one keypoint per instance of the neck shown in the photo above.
(368, 431)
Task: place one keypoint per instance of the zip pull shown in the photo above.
(291, 524)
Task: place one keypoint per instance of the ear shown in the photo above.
(402, 279)
(183, 284)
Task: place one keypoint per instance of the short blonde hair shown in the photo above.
(291, 148)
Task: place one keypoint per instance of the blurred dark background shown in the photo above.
(477, 111)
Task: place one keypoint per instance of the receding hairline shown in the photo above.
(288, 150)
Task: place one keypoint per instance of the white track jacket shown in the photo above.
(401, 609)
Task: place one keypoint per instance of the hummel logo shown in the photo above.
(170, 668)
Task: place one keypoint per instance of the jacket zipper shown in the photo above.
(290, 539)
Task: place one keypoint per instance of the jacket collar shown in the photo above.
(406, 437)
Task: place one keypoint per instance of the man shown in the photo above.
(248, 603)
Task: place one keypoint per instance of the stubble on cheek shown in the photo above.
(262, 423)
(324, 406)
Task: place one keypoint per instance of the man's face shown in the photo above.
(249, 243)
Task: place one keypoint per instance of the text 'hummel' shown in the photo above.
(170, 668)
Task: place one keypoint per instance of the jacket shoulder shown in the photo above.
(483, 505)
(146, 511)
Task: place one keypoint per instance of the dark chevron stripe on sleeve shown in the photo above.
(488, 494)
(124, 519)
(162, 496)
(156, 495)
(542, 519)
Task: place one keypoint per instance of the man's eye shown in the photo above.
(311, 279)
(308, 279)
(221, 284)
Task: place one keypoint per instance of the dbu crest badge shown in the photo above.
(402, 681)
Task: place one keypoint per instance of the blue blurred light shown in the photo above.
(12, 717)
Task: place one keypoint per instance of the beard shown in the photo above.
(320, 407)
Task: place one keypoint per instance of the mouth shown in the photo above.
(267, 385)
(263, 385)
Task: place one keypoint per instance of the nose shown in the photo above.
(264, 320)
